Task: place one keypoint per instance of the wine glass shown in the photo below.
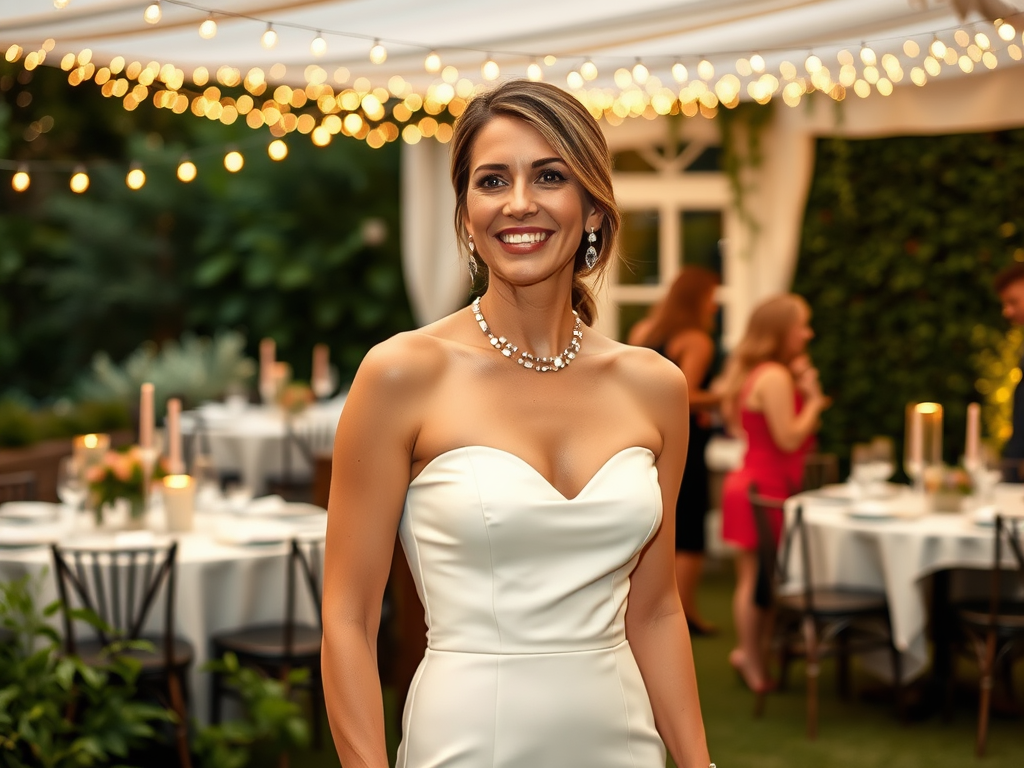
(323, 386)
(71, 485)
(861, 469)
(882, 460)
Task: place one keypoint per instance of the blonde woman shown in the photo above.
(524, 460)
(771, 394)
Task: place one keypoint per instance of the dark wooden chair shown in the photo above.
(820, 469)
(810, 621)
(18, 486)
(993, 629)
(279, 647)
(121, 586)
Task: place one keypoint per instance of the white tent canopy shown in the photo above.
(465, 33)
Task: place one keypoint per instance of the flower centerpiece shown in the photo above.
(121, 475)
(948, 486)
(295, 397)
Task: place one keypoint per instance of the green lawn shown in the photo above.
(860, 733)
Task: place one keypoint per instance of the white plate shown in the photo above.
(870, 510)
(33, 511)
(253, 532)
(273, 507)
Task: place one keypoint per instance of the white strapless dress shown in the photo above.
(527, 663)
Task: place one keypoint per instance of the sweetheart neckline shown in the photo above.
(533, 469)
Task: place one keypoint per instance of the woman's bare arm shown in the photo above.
(655, 622)
(772, 394)
(369, 480)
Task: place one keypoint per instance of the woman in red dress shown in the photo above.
(770, 393)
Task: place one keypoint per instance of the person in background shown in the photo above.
(679, 327)
(1009, 285)
(770, 392)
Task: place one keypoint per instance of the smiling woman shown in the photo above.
(529, 507)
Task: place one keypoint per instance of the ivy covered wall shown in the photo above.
(902, 238)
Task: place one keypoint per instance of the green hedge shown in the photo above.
(901, 240)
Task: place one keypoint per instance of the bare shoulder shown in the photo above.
(651, 375)
(773, 375)
(406, 361)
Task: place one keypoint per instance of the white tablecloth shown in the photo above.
(893, 545)
(250, 439)
(220, 585)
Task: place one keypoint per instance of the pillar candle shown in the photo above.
(175, 464)
(973, 434)
(146, 416)
(268, 353)
(321, 363)
(89, 449)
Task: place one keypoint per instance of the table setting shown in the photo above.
(908, 540)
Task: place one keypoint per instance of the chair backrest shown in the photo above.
(305, 560)
(820, 469)
(118, 585)
(1008, 536)
(774, 554)
(17, 486)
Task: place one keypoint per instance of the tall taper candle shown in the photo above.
(971, 455)
(917, 438)
(321, 363)
(175, 464)
(268, 353)
(146, 416)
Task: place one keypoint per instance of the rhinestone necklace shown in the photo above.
(525, 359)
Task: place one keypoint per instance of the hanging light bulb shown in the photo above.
(490, 69)
(574, 80)
(679, 73)
(319, 46)
(705, 70)
(153, 13)
(588, 70)
(812, 64)
(432, 63)
(277, 150)
(61, 4)
(937, 48)
(757, 63)
(640, 72)
(534, 72)
(1005, 30)
(208, 29)
(186, 170)
(868, 57)
(234, 161)
(21, 180)
(378, 53)
(79, 180)
(269, 37)
(136, 178)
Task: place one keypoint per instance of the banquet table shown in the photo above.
(230, 570)
(895, 544)
(251, 439)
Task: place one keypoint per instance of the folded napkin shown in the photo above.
(265, 505)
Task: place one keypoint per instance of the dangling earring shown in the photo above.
(472, 260)
(590, 257)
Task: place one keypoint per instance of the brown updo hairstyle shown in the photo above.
(575, 135)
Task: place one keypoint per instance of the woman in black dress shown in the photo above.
(679, 328)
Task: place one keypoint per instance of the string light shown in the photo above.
(574, 80)
(867, 57)
(234, 161)
(79, 181)
(679, 73)
(136, 178)
(186, 170)
(277, 150)
(490, 69)
(21, 180)
(757, 63)
(705, 70)
(208, 29)
(1005, 30)
(588, 70)
(153, 13)
(60, 5)
(378, 53)
(640, 72)
(319, 46)
(269, 38)
(534, 72)
(432, 63)
(937, 49)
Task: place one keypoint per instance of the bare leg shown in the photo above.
(689, 566)
(747, 656)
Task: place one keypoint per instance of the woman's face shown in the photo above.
(526, 212)
(798, 334)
